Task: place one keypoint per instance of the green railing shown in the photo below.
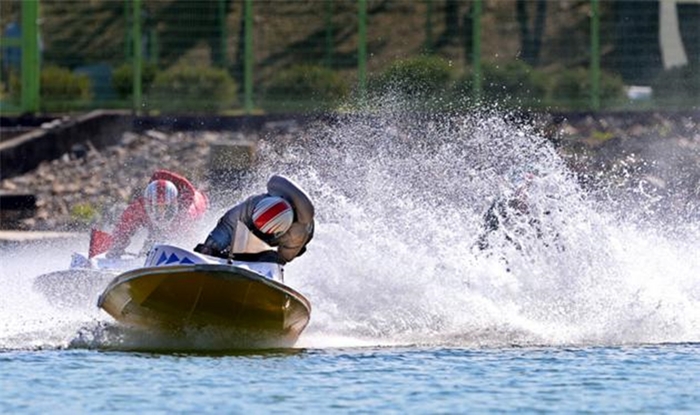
(229, 56)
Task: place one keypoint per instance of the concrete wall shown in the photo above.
(24, 152)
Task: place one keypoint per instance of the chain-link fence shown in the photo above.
(227, 56)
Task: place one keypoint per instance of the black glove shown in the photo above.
(208, 250)
(204, 249)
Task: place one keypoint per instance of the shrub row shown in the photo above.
(179, 88)
(57, 84)
(511, 82)
(192, 88)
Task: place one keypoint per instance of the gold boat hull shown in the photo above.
(221, 297)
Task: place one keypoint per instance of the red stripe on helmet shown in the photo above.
(270, 213)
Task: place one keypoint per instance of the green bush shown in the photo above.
(514, 81)
(61, 83)
(612, 87)
(306, 85)
(681, 82)
(123, 78)
(574, 85)
(83, 213)
(57, 84)
(424, 75)
(192, 88)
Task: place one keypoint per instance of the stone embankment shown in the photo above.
(635, 158)
(661, 151)
(72, 190)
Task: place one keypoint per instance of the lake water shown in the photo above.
(596, 309)
(630, 379)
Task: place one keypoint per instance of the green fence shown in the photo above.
(226, 56)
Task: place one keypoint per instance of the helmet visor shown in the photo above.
(161, 214)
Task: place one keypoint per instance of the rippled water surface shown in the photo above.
(648, 379)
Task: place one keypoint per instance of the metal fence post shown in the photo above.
(31, 77)
(476, 49)
(137, 55)
(362, 46)
(595, 55)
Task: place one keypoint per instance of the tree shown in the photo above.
(637, 54)
(452, 18)
(531, 38)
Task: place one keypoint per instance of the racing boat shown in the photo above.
(180, 289)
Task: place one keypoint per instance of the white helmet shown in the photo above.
(273, 215)
(520, 178)
(160, 201)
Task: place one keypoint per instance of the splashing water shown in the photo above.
(29, 319)
(400, 206)
(400, 201)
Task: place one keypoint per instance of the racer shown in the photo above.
(510, 211)
(169, 207)
(282, 218)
